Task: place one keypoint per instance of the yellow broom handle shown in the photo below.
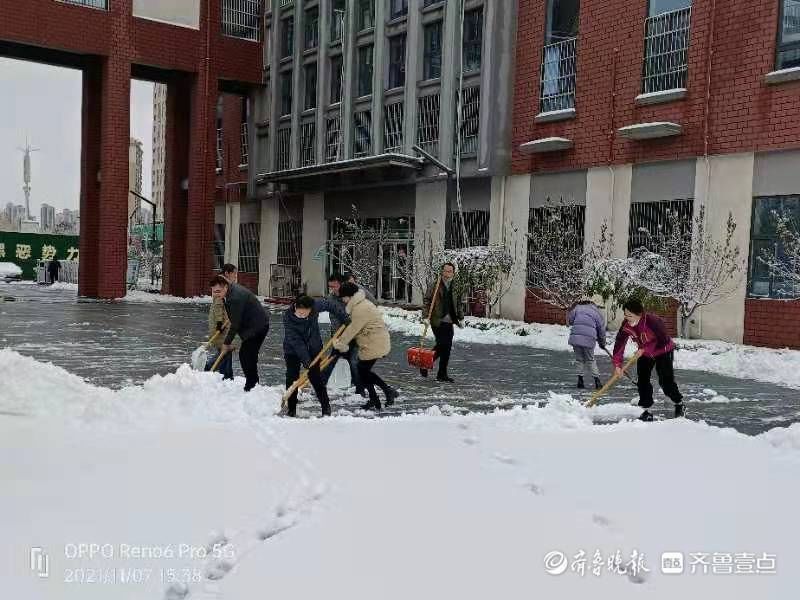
(430, 312)
(612, 381)
(301, 381)
(219, 360)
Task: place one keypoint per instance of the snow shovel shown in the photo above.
(303, 379)
(631, 379)
(219, 360)
(612, 381)
(200, 355)
(420, 357)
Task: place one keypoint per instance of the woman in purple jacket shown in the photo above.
(587, 330)
(656, 349)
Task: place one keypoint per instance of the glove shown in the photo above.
(220, 326)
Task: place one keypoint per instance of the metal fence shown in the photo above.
(651, 221)
(393, 127)
(569, 219)
(283, 158)
(559, 66)
(334, 149)
(362, 136)
(308, 136)
(248, 247)
(470, 119)
(476, 222)
(67, 274)
(666, 51)
(285, 3)
(241, 19)
(101, 4)
(428, 123)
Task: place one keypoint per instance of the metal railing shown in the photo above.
(650, 222)
(362, 135)
(242, 19)
(285, 3)
(569, 219)
(308, 136)
(476, 224)
(100, 4)
(558, 76)
(393, 127)
(334, 150)
(283, 157)
(337, 26)
(666, 51)
(249, 247)
(219, 148)
(428, 123)
(470, 120)
(245, 146)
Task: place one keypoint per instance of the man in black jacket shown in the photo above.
(248, 321)
(302, 343)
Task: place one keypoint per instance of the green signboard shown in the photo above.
(27, 249)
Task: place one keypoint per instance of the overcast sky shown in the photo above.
(44, 104)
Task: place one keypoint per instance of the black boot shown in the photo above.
(372, 405)
(580, 382)
(597, 383)
(646, 416)
(423, 372)
(326, 408)
(680, 410)
(391, 396)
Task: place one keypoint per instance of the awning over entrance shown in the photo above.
(345, 173)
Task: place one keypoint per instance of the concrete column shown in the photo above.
(724, 185)
(599, 204)
(297, 84)
(508, 225)
(430, 216)
(232, 221)
(620, 189)
(413, 66)
(314, 239)
(323, 78)
(350, 75)
(451, 64)
(379, 73)
(268, 243)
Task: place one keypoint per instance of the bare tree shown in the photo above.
(560, 267)
(360, 243)
(783, 260)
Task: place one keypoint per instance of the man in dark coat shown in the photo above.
(248, 321)
(53, 269)
(447, 312)
(302, 343)
(351, 356)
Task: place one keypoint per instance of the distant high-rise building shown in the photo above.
(159, 146)
(47, 218)
(135, 156)
(68, 221)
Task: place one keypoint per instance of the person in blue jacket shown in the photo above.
(302, 342)
(587, 330)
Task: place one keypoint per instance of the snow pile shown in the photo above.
(712, 397)
(9, 270)
(778, 366)
(140, 296)
(784, 437)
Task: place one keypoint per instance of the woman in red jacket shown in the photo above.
(657, 349)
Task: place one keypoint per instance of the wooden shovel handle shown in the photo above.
(430, 311)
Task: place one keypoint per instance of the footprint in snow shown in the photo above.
(219, 569)
(601, 521)
(535, 489)
(506, 460)
(470, 441)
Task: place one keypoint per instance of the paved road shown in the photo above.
(114, 344)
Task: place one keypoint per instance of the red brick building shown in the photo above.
(206, 48)
(633, 108)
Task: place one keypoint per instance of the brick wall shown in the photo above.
(537, 311)
(773, 323)
(250, 281)
(745, 114)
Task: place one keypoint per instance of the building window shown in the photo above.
(569, 218)
(287, 37)
(666, 46)
(219, 144)
(365, 70)
(244, 142)
(473, 39)
(241, 19)
(337, 20)
(559, 62)
(651, 222)
(283, 159)
(393, 116)
(470, 120)
(476, 224)
(308, 137)
(397, 61)
(219, 246)
(101, 4)
(432, 58)
(362, 135)
(366, 14)
(248, 247)
(765, 242)
(789, 35)
(311, 28)
(336, 79)
(428, 123)
(286, 93)
(333, 139)
(398, 8)
(310, 87)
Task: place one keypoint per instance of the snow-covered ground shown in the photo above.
(423, 506)
(778, 366)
